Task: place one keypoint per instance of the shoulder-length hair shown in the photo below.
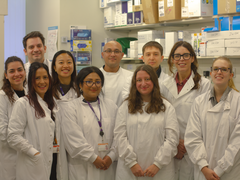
(134, 99)
(194, 64)
(230, 82)
(56, 81)
(32, 95)
(6, 87)
(83, 73)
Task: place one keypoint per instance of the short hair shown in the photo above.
(152, 44)
(33, 34)
(83, 73)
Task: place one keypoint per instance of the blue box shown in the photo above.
(236, 23)
(237, 6)
(83, 58)
(124, 7)
(81, 34)
(130, 19)
(215, 7)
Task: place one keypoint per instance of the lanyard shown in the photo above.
(61, 90)
(99, 121)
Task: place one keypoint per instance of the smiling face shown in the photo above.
(91, 91)
(35, 50)
(16, 75)
(144, 85)
(221, 78)
(64, 66)
(152, 56)
(182, 65)
(41, 83)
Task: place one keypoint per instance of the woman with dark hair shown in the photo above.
(213, 130)
(180, 90)
(12, 89)
(32, 127)
(88, 131)
(63, 75)
(146, 130)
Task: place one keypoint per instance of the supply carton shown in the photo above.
(216, 43)
(184, 9)
(198, 8)
(103, 3)
(203, 48)
(79, 45)
(170, 39)
(215, 51)
(232, 42)
(150, 11)
(233, 51)
(130, 18)
(109, 16)
(129, 6)
(162, 42)
(226, 6)
(172, 10)
(138, 17)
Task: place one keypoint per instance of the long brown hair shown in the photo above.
(230, 82)
(194, 64)
(7, 88)
(32, 96)
(134, 99)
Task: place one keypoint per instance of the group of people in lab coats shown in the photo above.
(109, 123)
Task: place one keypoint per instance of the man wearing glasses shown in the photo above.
(114, 75)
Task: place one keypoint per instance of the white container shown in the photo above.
(170, 39)
(162, 42)
(203, 48)
(103, 3)
(215, 51)
(134, 45)
(233, 51)
(118, 8)
(216, 43)
(123, 19)
(198, 8)
(109, 16)
(133, 53)
(232, 43)
(130, 3)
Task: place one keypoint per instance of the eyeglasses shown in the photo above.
(90, 83)
(223, 69)
(186, 56)
(109, 51)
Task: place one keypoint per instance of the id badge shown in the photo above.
(103, 147)
(55, 148)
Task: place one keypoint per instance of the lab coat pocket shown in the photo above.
(107, 128)
(232, 124)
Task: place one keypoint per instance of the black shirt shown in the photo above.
(20, 93)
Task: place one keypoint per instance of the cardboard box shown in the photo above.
(170, 39)
(233, 51)
(216, 43)
(136, 8)
(172, 10)
(109, 16)
(215, 51)
(184, 9)
(232, 43)
(198, 8)
(150, 11)
(226, 6)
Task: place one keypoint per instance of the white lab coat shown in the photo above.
(8, 155)
(81, 138)
(71, 94)
(29, 135)
(182, 103)
(212, 136)
(46, 61)
(113, 84)
(127, 85)
(146, 139)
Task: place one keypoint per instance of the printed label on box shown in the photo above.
(186, 2)
(161, 8)
(184, 12)
(169, 3)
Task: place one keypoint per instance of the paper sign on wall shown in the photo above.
(52, 41)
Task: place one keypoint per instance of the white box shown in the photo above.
(203, 48)
(137, 2)
(184, 36)
(232, 42)
(103, 3)
(233, 51)
(232, 34)
(130, 3)
(146, 36)
(170, 39)
(134, 45)
(200, 8)
(216, 43)
(162, 42)
(123, 19)
(215, 51)
(109, 16)
(133, 53)
(118, 8)
(194, 42)
(118, 20)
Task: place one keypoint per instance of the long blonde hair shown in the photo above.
(230, 82)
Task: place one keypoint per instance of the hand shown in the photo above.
(151, 171)
(181, 149)
(99, 163)
(108, 162)
(137, 170)
(37, 153)
(209, 174)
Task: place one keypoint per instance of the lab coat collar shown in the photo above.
(172, 86)
(218, 107)
(45, 105)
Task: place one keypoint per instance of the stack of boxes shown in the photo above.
(133, 49)
(81, 45)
